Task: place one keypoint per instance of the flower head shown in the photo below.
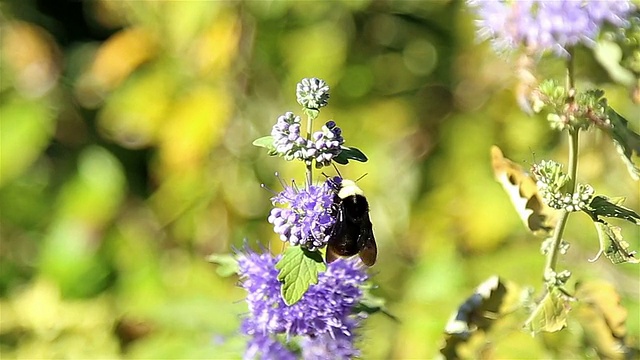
(322, 319)
(325, 145)
(339, 347)
(308, 217)
(312, 93)
(287, 138)
(551, 182)
(547, 25)
(266, 347)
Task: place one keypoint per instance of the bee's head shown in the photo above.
(349, 188)
(334, 182)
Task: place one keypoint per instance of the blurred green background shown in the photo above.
(126, 159)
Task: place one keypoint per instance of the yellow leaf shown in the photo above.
(523, 193)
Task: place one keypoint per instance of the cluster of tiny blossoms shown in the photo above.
(568, 110)
(312, 93)
(308, 217)
(322, 147)
(551, 182)
(323, 321)
(543, 26)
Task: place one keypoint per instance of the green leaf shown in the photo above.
(341, 158)
(612, 245)
(551, 313)
(267, 143)
(626, 141)
(228, 264)
(311, 113)
(298, 270)
(350, 153)
(605, 207)
(609, 54)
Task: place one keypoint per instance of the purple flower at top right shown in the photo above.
(554, 25)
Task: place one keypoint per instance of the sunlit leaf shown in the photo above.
(228, 264)
(110, 68)
(26, 129)
(551, 313)
(477, 313)
(136, 110)
(267, 143)
(298, 270)
(86, 203)
(194, 125)
(609, 54)
(603, 319)
(626, 140)
(523, 192)
(612, 245)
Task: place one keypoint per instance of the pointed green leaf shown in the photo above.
(341, 158)
(267, 143)
(603, 206)
(228, 264)
(298, 270)
(551, 313)
(626, 140)
(612, 245)
(350, 153)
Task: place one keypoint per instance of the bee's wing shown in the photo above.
(331, 255)
(367, 245)
(337, 233)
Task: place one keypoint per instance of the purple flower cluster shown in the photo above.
(323, 146)
(312, 93)
(308, 216)
(322, 320)
(287, 138)
(326, 145)
(547, 25)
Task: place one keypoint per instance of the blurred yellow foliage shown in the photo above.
(126, 159)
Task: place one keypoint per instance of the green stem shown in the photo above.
(571, 84)
(552, 257)
(309, 172)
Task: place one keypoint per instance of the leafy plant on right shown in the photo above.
(546, 197)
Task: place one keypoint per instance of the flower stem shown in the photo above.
(552, 257)
(571, 83)
(309, 172)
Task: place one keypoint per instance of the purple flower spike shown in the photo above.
(286, 136)
(339, 347)
(322, 321)
(307, 219)
(265, 347)
(553, 25)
